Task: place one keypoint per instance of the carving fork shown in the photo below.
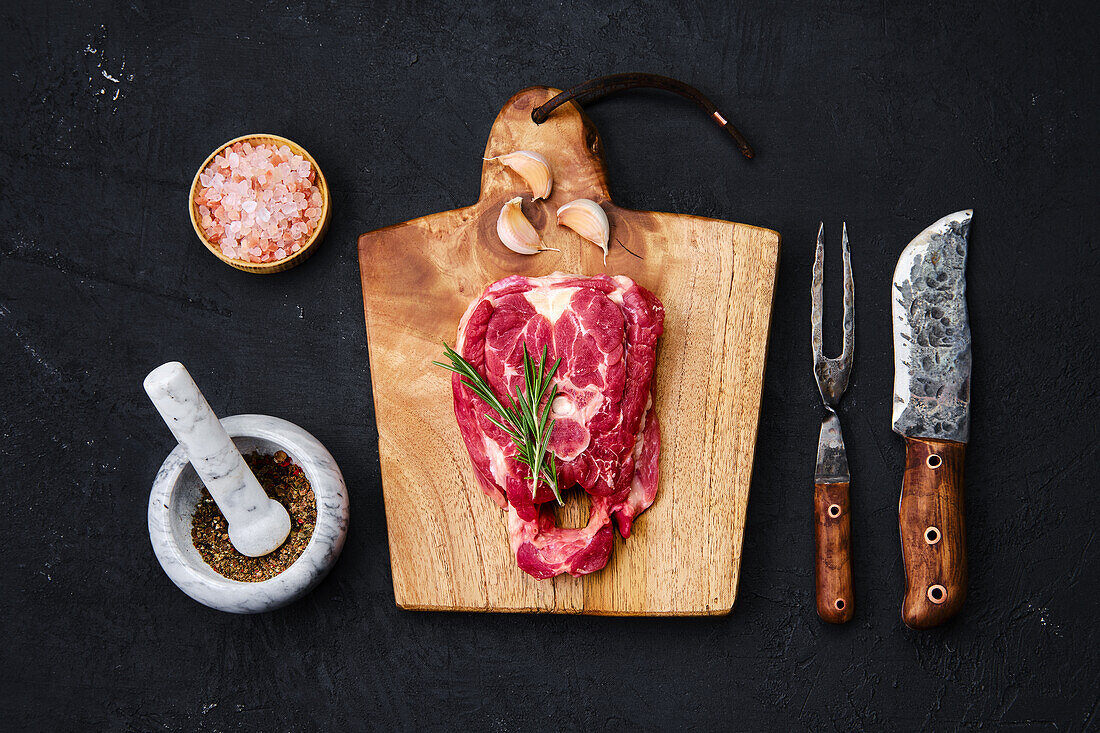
(832, 526)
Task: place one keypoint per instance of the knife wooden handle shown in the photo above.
(933, 540)
(833, 563)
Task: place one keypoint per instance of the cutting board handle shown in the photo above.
(569, 141)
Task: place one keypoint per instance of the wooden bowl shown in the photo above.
(294, 259)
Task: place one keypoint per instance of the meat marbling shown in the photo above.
(605, 436)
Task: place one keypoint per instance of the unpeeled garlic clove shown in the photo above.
(516, 232)
(586, 218)
(532, 168)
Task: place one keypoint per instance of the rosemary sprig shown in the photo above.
(526, 420)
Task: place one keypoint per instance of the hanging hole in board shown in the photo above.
(934, 461)
(937, 594)
(932, 535)
(839, 604)
(834, 510)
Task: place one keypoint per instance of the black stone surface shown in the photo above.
(886, 115)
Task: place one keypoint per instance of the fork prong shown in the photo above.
(849, 306)
(832, 374)
(816, 294)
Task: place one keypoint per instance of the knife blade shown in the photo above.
(931, 411)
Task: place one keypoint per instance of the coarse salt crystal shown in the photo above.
(258, 203)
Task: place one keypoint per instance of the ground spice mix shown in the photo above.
(284, 482)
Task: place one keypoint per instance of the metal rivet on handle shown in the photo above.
(934, 461)
(932, 535)
(834, 510)
(937, 593)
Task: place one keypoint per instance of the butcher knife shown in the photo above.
(931, 411)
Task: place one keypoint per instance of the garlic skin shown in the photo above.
(586, 218)
(516, 232)
(533, 169)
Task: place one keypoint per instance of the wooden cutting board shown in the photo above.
(448, 545)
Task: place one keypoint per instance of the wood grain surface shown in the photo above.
(448, 545)
(933, 535)
(833, 553)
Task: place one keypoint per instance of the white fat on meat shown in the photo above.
(637, 497)
(550, 303)
(498, 466)
(564, 408)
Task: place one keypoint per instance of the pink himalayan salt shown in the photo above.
(257, 203)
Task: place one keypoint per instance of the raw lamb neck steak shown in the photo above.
(605, 436)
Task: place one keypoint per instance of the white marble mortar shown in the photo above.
(176, 492)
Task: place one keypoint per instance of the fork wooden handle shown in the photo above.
(832, 533)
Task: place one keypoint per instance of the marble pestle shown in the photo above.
(258, 525)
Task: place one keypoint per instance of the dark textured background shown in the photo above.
(887, 117)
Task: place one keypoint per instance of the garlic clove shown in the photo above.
(516, 232)
(532, 168)
(586, 218)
